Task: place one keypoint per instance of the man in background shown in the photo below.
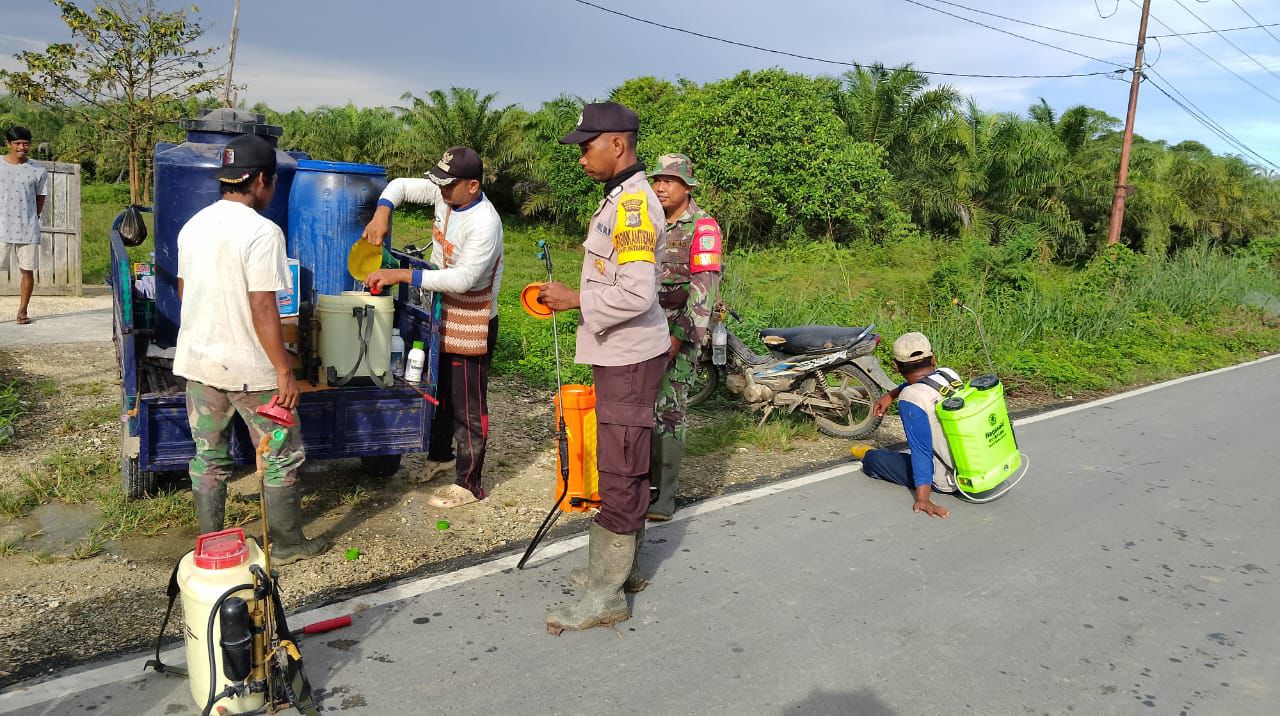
(23, 187)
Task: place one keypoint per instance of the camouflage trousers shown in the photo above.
(673, 394)
(209, 411)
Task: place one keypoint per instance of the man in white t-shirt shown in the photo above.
(231, 263)
(467, 249)
(23, 187)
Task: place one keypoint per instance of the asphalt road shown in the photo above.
(1133, 571)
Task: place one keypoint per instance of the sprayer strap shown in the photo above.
(156, 663)
(944, 380)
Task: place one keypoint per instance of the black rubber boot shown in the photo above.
(668, 452)
(609, 560)
(284, 519)
(211, 507)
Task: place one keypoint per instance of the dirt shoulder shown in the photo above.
(63, 603)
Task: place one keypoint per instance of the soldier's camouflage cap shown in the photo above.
(675, 165)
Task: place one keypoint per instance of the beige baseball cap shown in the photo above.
(911, 347)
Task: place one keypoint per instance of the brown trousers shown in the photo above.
(625, 396)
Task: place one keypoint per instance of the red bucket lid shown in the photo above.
(221, 550)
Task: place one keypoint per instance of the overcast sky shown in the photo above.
(306, 53)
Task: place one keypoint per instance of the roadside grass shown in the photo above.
(13, 403)
(722, 426)
(355, 497)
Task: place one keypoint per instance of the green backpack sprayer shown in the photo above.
(975, 421)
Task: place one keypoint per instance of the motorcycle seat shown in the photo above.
(809, 339)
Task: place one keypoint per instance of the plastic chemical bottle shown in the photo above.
(397, 353)
(417, 359)
(719, 337)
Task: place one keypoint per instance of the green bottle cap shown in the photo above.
(419, 345)
(442, 525)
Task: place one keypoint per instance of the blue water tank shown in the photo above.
(186, 181)
(328, 208)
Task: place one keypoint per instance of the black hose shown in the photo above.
(562, 447)
(213, 664)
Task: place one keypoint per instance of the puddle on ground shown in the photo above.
(54, 528)
(164, 548)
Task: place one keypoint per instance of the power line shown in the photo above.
(1226, 40)
(1216, 127)
(1265, 28)
(1013, 34)
(1210, 125)
(1260, 26)
(1211, 58)
(811, 58)
(1032, 24)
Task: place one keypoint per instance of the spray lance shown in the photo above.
(562, 433)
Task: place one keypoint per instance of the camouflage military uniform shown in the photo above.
(687, 299)
(209, 411)
(689, 279)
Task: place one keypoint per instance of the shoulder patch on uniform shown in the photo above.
(705, 254)
(633, 234)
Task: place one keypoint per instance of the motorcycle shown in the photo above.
(826, 372)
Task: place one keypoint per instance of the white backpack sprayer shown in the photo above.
(229, 593)
(975, 421)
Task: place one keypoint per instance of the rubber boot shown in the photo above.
(284, 521)
(211, 507)
(635, 582)
(609, 560)
(667, 475)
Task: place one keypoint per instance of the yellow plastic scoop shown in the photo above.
(363, 259)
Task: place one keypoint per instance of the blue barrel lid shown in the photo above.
(315, 165)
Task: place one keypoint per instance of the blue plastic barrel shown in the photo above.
(186, 181)
(328, 208)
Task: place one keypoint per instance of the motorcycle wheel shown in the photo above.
(857, 419)
(706, 378)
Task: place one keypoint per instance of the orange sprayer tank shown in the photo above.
(583, 493)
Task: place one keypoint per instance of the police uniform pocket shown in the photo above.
(600, 269)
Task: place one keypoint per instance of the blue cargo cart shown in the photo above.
(377, 425)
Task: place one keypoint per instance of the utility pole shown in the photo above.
(227, 101)
(1122, 188)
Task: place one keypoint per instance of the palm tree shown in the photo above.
(1012, 172)
(462, 117)
(556, 187)
(343, 134)
(917, 129)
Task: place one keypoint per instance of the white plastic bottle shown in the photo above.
(719, 337)
(397, 353)
(417, 359)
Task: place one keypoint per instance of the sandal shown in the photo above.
(22, 320)
(452, 496)
(432, 470)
